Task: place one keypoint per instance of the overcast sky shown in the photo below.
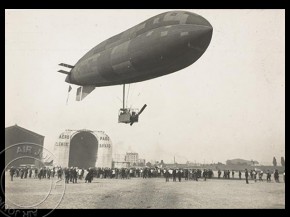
(228, 104)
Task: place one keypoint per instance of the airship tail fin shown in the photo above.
(64, 72)
(83, 91)
(66, 65)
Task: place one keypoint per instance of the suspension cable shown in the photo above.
(127, 95)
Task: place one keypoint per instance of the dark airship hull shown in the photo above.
(158, 46)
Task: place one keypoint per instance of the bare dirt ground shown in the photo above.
(146, 193)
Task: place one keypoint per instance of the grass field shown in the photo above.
(145, 193)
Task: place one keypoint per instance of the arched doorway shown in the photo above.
(83, 150)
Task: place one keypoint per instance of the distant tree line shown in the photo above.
(275, 162)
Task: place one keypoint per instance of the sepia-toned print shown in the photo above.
(143, 109)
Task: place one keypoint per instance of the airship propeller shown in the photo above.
(134, 118)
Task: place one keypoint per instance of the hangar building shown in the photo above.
(22, 147)
(83, 149)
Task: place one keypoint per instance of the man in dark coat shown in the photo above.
(186, 174)
(12, 171)
(219, 173)
(29, 172)
(166, 175)
(59, 173)
(67, 175)
(204, 174)
(87, 176)
(195, 175)
(35, 173)
(91, 175)
(40, 174)
(44, 171)
(276, 175)
(268, 176)
(82, 174)
(246, 175)
(48, 172)
(71, 174)
(174, 175)
(145, 173)
(179, 174)
(75, 175)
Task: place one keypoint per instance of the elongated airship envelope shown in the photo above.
(163, 44)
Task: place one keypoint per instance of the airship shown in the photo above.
(160, 45)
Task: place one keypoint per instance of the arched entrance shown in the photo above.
(83, 150)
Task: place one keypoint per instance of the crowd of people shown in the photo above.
(69, 174)
(256, 175)
(259, 174)
(73, 174)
